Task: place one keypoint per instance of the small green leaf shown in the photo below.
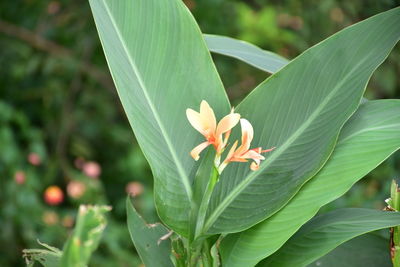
(147, 239)
(86, 236)
(246, 52)
(325, 232)
(49, 257)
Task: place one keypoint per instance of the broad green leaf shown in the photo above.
(152, 250)
(366, 250)
(370, 136)
(300, 111)
(49, 257)
(244, 51)
(86, 236)
(161, 66)
(325, 232)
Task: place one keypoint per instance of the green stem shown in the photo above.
(194, 256)
(206, 259)
(394, 205)
(204, 203)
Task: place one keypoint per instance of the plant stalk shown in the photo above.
(394, 205)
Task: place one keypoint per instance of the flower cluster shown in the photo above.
(217, 135)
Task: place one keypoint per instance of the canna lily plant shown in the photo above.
(321, 135)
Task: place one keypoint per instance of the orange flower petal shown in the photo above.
(197, 150)
(238, 160)
(207, 117)
(227, 123)
(195, 120)
(231, 152)
(267, 150)
(254, 166)
(247, 136)
(251, 154)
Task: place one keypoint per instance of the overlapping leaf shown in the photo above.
(369, 137)
(48, 257)
(325, 232)
(161, 66)
(300, 110)
(249, 53)
(147, 239)
(366, 250)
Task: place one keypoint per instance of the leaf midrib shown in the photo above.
(250, 177)
(354, 234)
(371, 129)
(181, 172)
(221, 51)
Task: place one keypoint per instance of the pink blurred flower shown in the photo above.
(79, 162)
(76, 189)
(134, 188)
(20, 177)
(53, 195)
(34, 159)
(91, 169)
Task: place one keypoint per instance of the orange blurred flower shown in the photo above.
(68, 221)
(53, 195)
(50, 217)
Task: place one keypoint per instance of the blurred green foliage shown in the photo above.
(61, 122)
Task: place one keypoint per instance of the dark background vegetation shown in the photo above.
(61, 122)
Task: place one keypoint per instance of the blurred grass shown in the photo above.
(58, 103)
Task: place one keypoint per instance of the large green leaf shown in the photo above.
(300, 110)
(366, 250)
(161, 66)
(370, 136)
(152, 250)
(249, 53)
(325, 232)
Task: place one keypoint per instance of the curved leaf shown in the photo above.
(325, 232)
(370, 136)
(366, 250)
(146, 238)
(300, 111)
(161, 66)
(246, 52)
(48, 257)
